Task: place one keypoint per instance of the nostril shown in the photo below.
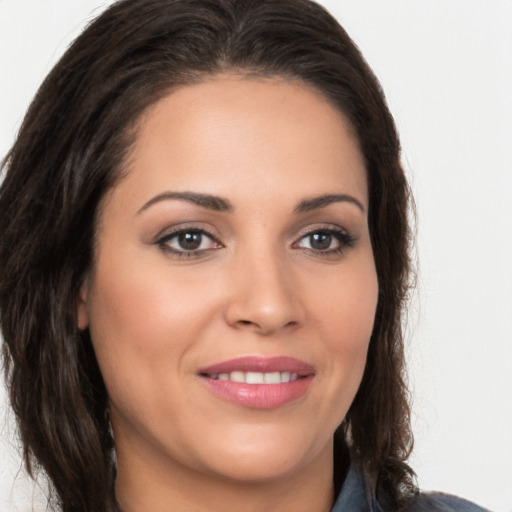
(254, 314)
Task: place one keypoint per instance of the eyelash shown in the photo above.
(163, 242)
(345, 240)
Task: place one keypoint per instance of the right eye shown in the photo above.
(188, 242)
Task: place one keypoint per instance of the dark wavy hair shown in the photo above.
(70, 151)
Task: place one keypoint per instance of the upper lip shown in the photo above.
(260, 364)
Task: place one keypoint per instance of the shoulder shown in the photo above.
(357, 496)
(440, 502)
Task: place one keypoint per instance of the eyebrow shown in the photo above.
(208, 201)
(220, 204)
(322, 201)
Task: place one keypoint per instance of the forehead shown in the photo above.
(242, 136)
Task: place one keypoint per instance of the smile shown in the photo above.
(256, 377)
(259, 383)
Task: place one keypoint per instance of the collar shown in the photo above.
(356, 494)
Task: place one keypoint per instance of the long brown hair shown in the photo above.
(70, 151)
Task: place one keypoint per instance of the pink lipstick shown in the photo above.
(259, 382)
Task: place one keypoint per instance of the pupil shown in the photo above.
(189, 241)
(321, 241)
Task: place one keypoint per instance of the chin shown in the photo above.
(261, 457)
(260, 469)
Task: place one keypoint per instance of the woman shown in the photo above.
(204, 261)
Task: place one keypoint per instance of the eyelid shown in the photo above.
(346, 239)
(326, 227)
(167, 235)
(192, 225)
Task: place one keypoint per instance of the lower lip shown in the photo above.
(260, 396)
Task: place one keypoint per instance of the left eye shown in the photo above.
(185, 241)
(324, 241)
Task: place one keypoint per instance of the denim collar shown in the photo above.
(356, 495)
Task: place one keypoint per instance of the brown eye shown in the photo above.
(320, 241)
(188, 241)
(325, 241)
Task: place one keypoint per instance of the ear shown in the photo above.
(82, 316)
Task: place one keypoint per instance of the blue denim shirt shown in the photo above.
(356, 496)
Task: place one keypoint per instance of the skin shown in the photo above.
(257, 287)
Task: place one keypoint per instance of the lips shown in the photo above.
(257, 382)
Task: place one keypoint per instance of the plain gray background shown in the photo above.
(446, 68)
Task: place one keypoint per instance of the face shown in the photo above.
(233, 293)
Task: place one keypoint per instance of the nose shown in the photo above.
(264, 297)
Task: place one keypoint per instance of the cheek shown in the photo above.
(345, 316)
(125, 312)
(141, 329)
(144, 316)
(347, 308)
(134, 305)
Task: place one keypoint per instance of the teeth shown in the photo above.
(256, 377)
(272, 378)
(237, 376)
